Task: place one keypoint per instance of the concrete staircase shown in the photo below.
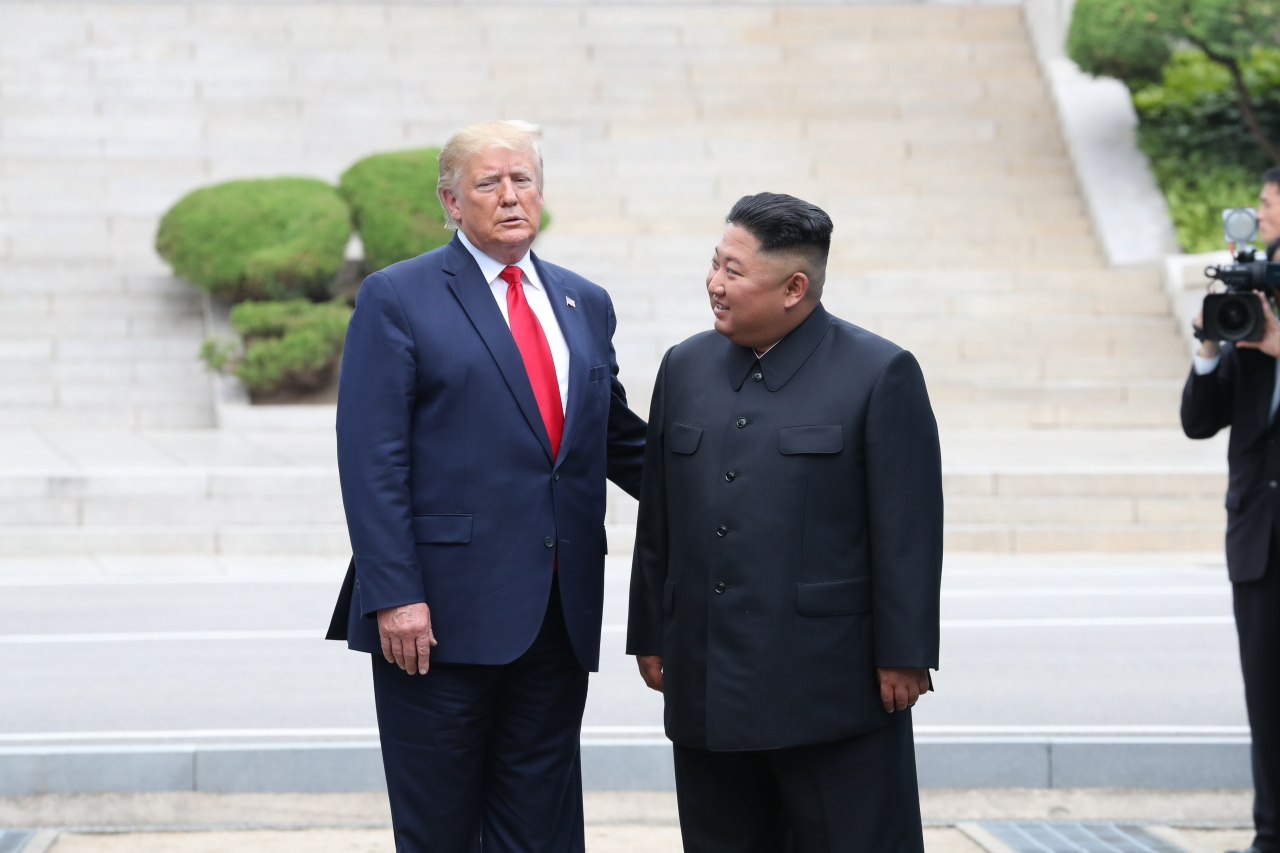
(84, 345)
(925, 130)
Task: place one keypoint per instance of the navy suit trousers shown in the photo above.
(479, 755)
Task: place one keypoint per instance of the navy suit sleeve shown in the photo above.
(904, 482)
(649, 562)
(626, 428)
(375, 407)
(1207, 399)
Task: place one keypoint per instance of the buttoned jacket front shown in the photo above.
(451, 491)
(789, 537)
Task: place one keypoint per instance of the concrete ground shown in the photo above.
(176, 647)
(617, 822)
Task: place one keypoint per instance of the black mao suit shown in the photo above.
(789, 542)
(1238, 394)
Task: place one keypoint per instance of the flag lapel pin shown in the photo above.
(570, 302)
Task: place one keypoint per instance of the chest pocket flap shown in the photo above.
(682, 438)
(811, 439)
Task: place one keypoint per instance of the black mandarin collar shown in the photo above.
(787, 356)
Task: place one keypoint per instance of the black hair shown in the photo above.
(1271, 176)
(784, 223)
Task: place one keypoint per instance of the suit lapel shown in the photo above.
(574, 328)
(473, 293)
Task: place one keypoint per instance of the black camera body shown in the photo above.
(1236, 314)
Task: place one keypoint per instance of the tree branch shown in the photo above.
(1243, 96)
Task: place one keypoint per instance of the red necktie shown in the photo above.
(532, 343)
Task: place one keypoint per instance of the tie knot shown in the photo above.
(511, 275)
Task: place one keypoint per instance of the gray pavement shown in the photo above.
(1138, 645)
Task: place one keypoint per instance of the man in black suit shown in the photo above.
(1238, 386)
(784, 594)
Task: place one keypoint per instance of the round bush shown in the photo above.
(278, 238)
(290, 345)
(394, 205)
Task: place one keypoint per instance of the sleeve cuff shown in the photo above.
(1203, 365)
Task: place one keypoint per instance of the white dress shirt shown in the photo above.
(1208, 365)
(538, 301)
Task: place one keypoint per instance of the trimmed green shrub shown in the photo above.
(394, 205)
(1203, 156)
(291, 345)
(278, 238)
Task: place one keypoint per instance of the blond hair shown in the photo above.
(512, 134)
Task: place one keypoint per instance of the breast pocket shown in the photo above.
(683, 438)
(797, 440)
(600, 371)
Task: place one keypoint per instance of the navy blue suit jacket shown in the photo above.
(451, 494)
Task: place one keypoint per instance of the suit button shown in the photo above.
(757, 376)
(722, 530)
(1271, 485)
(549, 542)
(720, 587)
(555, 476)
(741, 422)
(730, 475)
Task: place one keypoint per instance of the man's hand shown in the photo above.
(406, 637)
(651, 670)
(901, 687)
(1270, 343)
(1208, 349)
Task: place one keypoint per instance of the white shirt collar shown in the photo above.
(491, 269)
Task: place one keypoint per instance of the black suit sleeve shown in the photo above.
(626, 429)
(649, 563)
(904, 483)
(1207, 400)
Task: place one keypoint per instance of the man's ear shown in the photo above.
(795, 289)
(451, 204)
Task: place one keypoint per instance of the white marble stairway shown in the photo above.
(925, 130)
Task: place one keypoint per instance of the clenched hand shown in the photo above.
(901, 687)
(651, 670)
(406, 637)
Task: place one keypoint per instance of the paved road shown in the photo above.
(218, 644)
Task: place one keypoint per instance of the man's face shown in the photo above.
(1269, 213)
(751, 292)
(498, 202)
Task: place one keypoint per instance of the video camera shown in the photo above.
(1236, 313)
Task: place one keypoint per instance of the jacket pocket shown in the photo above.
(442, 529)
(682, 438)
(600, 371)
(1233, 501)
(834, 598)
(668, 596)
(811, 439)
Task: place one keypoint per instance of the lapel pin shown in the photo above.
(570, 302)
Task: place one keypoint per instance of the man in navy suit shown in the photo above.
(479, 414)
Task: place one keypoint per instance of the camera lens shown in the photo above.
(1233, 318)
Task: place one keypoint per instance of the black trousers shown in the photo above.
(857, 795)
(1257, 606)
(486, 757)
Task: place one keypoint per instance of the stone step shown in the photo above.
(1094, 537)
(1054, 415)
(175, 539)
(112, 414)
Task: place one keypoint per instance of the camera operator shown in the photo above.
(1269, 212)
(1238, 385)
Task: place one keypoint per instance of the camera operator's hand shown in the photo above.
(1270, 343)
(1208, 349)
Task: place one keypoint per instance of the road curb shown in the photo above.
(619, 764)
